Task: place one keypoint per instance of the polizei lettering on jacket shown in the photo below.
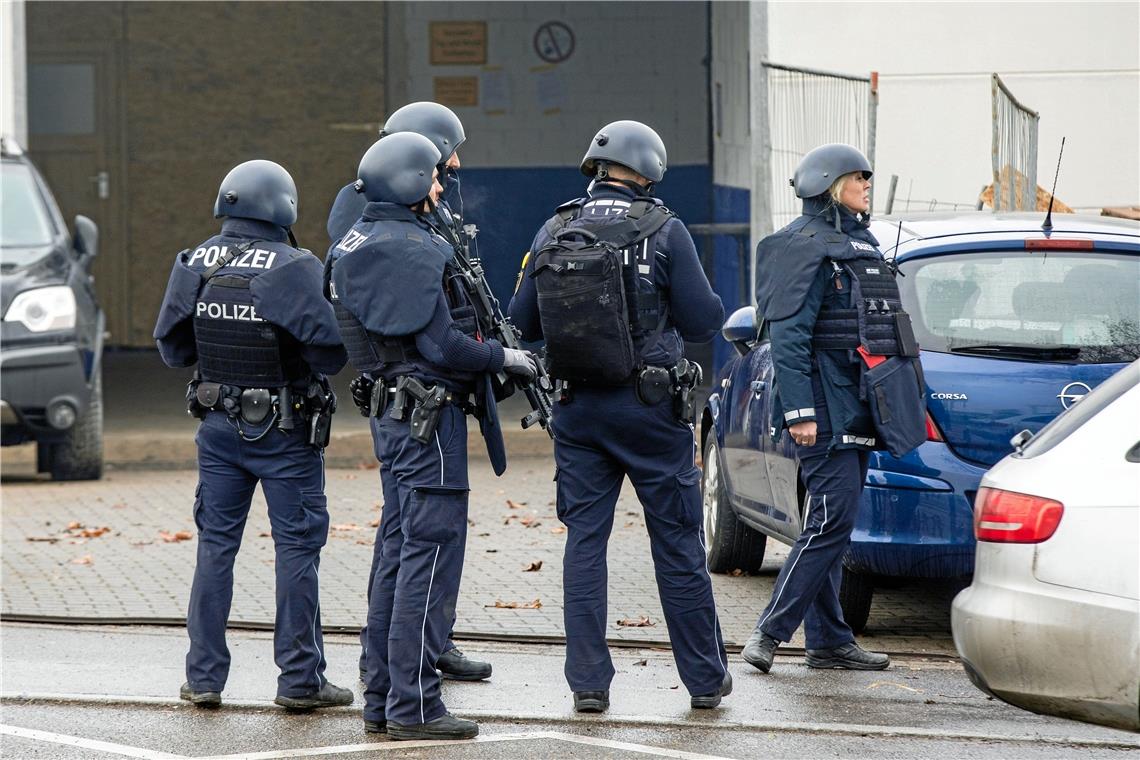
(254, 258)
(234, 311)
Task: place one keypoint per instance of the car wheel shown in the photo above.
(732, 545)
(80, 455)
(855, 593)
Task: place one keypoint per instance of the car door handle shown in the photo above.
(758, 386)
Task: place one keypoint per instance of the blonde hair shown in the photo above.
(837, 186)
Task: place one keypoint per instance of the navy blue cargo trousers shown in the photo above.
(416, 582)
(601, 436)
(292, 477)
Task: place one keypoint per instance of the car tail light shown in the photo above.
(932, 431)
(1015, 518)
(1057, 243)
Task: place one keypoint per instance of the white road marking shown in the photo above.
(382, 746)
(75, 741)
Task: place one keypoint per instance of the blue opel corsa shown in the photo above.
(1015, 325)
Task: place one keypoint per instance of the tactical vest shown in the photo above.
(872, 319)
(237, 347)
(367, 351)
(591, 304)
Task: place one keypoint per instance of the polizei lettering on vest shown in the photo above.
(233, 311)
(256, 258)
(858, 246)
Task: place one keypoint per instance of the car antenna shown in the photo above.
(1047, 225)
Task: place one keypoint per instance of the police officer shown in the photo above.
(385, 278)
(830, 300)
(439, 124)
(247, 306)
(618, 417)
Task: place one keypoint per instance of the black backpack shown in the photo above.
(588, 300)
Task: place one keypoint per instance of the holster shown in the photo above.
(652, 385)
(426, 410)
(686, 376)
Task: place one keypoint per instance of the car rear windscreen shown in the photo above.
(24, 220)
(1068, 306)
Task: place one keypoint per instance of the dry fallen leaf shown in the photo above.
(515, 504)
(84, 560)
(630, 524)
(482, 535)
(508, 518)
(638, 622)
(362, 542)
(346, 526)
(558, 530)
(265, 534)
(367, 465)
(737, 573)
(529, 522)
(491, 551)
(350, 476)
(500, 604)
(374, 524)
(141, 543)
(94, 532)
(533, 567)
(173, 538)
(642, 663)
(45, 539)
(74, 525)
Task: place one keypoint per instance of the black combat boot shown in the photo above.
(847, 657)
(709, 701)
(327, 696)
(591, 701)
(200, 698)
(445, 727)
(760, 651)
(454, 664)
(375, 726)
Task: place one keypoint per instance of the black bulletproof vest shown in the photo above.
(871, 321)
(237, 347)
(367, 351)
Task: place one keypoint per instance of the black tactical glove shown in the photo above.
(465, 320)
(361, 390)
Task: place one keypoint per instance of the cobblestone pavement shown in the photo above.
(140, 569)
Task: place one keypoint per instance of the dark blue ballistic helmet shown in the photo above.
(631, 144)
(435, 122)
(258, 190)
(398, 169)
(825, 164)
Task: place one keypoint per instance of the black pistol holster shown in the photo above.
(654, 384)
(426, 409)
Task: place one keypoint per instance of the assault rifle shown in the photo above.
(495, 324)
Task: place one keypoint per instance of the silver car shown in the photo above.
(1051, 622)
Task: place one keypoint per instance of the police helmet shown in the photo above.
(258, 190)
(825, 164)
(435, 122)
(631, 144)
(398, 169)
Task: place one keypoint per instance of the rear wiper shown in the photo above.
(1023, 351)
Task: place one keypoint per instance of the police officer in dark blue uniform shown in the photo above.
(625, 406)
(247, 306)
(385, 278)
(439, 124)
(833, 310)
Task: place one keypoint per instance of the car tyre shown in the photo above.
(855, 593)
(80, 455)
(732, 545)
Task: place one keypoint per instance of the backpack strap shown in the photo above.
(563, 215)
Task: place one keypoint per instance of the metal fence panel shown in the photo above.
(1013, 150)
(808, 108)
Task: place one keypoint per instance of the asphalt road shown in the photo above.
(99, 692)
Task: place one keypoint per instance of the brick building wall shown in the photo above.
(204, 86)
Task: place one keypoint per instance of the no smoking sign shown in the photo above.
(553, 42)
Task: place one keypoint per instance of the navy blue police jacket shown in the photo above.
(695, 312)
(388, 271)
(285, 287)
(795, 280)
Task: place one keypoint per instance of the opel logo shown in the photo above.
(1072, 393)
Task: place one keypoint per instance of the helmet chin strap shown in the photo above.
(292, 238)
(603, 175)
